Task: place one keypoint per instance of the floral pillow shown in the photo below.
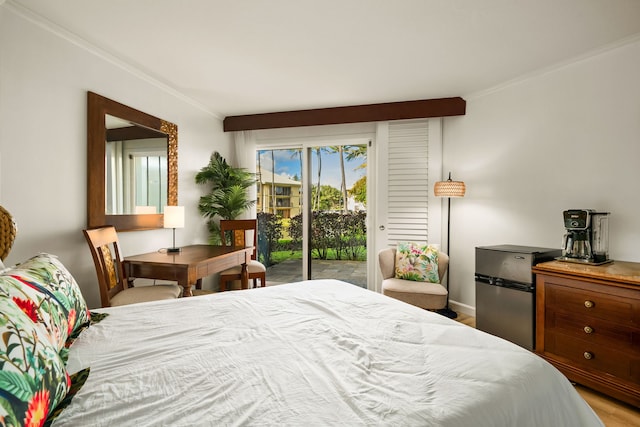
(33, 378)
(417, 262)
(44, 287)
(41, 307)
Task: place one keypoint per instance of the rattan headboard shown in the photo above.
(8, 232)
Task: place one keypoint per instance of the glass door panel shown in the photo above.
(334, 216)
(338, 238)
(279, 207)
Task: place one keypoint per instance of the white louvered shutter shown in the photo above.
(408, 182)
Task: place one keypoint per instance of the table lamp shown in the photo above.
(174, 218)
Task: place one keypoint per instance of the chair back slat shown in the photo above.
(239, 238)
(106, 258)
(243, 231)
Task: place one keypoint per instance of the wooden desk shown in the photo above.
(188, 266)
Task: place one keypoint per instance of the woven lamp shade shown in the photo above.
(449, 188)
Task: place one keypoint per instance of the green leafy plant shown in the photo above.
(227, 197)
(333, 234)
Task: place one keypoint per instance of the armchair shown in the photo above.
(430, 296)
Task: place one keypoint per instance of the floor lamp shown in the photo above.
(449, 189)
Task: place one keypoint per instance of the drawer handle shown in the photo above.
(588, 304)
(588, 355)
(588, 330)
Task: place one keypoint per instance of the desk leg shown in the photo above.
(244, 276)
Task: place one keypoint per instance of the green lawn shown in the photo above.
(279, 256)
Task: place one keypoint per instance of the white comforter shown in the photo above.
(312, 353)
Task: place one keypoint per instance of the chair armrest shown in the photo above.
(387, 262)
(443, 265)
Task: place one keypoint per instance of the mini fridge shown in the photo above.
(505, 290)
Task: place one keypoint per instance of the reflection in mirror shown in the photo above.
(136, 168)
(132, 166)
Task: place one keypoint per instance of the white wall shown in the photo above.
(567, 138)
(44, 79)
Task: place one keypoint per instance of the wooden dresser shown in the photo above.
(588, 324)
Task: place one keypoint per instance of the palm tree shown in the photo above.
(352, 152)
(297, 152)
(260, 179)
(316, 202)
(359, 189)
(273, 183)
(343, 183)
(228, 197)
(356, 152)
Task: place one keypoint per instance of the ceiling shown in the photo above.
(237, 57)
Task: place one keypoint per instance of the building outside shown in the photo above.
(278, 194)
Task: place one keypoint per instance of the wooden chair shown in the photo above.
(430, 296)
(114, 289)
(239, 229)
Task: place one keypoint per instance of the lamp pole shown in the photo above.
(447, 311)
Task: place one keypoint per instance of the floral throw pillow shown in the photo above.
(40, 306)
(417, 262)
(33, 378)
(45, 276)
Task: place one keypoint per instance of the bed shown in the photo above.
(318, 352)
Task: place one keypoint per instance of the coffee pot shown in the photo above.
(586, 237)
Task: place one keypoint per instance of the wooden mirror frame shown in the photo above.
(97, 109)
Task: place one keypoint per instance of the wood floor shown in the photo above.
(612, 412)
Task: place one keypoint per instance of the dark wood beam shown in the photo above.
(441, 107)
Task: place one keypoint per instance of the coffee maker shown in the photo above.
(586, 237)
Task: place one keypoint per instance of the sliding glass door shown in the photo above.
(312, 213)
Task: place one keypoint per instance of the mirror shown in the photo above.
(132, 166)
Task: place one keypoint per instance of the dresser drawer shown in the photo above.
(571, 297)
(593, 357)
(593, 330)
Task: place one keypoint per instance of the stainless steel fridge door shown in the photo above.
(505, 312)
(514, 266)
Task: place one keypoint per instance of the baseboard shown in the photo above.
(462, 308)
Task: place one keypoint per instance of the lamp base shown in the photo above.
(173, 250)
(447, 312)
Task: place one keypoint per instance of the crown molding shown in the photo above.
(556, 67)
(102, 53)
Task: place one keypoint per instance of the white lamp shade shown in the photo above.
(174, 217)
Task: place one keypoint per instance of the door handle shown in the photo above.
(381, 228)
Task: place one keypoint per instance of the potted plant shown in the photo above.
(227, 197)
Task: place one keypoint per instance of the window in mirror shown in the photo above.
(136, 169)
